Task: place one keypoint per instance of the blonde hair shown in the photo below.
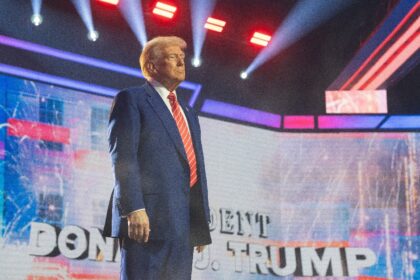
(152, 51)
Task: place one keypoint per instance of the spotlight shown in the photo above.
(196, 62)
(36, 19)
(112, 2)
(244, 75)
(93, 35)
(215, 24)
(164, 10)
(260, 39)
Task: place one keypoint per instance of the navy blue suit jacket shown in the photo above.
(150, 166)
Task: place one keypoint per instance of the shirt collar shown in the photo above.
(161, 90)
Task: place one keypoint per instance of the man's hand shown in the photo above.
(138, 226)
(200, 248)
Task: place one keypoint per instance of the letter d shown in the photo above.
(43, 240)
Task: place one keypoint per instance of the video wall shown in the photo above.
(283, 205)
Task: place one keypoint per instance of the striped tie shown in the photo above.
(185, 136)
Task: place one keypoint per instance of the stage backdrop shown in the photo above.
(283, 204)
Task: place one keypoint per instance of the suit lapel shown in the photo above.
(166, 117)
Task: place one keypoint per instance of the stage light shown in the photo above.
(93, 35)
(244, 75)
(260, 39)
(36, 19)
(164, 10)
(215, 24)
(113, 2)
(196, 62)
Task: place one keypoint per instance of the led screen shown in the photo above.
(283, 204)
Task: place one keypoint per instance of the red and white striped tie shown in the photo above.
(185, 136)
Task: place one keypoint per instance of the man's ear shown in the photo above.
(151, 68)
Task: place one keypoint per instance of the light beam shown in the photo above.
(36, 17)
(305, 16)
(200, 11)
(85, 12)
(132, 12)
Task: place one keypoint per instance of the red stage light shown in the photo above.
(260, 39)
(215, 24)
(113, 2)
(164, 10)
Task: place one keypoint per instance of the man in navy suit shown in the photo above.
(159, 206)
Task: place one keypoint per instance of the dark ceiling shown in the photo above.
(292, 83)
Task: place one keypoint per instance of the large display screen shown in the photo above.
(282, 204)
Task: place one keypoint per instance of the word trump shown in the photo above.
(301, 261)
(72, 242)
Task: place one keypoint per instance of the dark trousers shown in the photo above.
(166, 259)
(156, 260)
(199, 227)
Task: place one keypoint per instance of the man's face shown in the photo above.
(170, 69)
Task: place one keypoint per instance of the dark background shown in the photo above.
(294, 82)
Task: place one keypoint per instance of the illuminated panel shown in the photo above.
(164, 10)
(113, 2)
(402, 122)
(396, 62)
(241, 113)
(392, 59)
(349, 122)
(38, 131)
(356, 101)
(383, 43)
(29, 74)
(298, 122)
(196, 93)
(85, 60)
(260, 39)
(215, 24)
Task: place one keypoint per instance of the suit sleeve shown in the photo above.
(124, 136)
(203, 178)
